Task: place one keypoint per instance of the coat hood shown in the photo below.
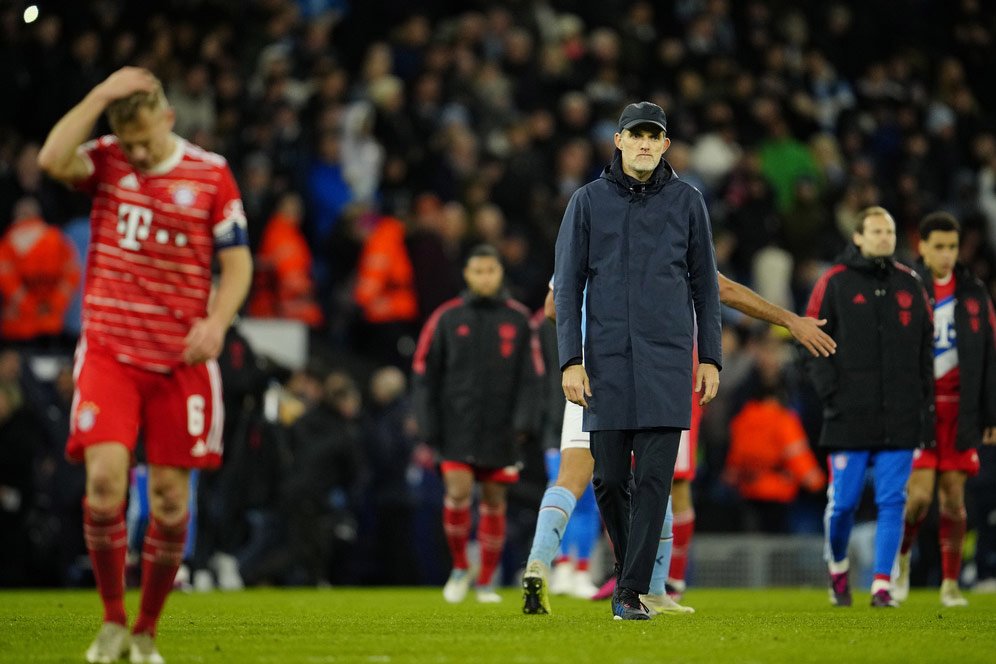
(479, 300)
(852, 257)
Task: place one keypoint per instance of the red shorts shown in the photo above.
(506, 475)
(684, 466)
(180, 413)
(946, 456)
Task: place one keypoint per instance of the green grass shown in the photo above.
(415, 625)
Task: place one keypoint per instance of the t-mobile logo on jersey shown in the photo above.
(944, 325)
(133, 224)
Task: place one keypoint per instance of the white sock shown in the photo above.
(839, 567)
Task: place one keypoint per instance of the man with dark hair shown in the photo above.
(475, 387)
(635, 248)
(877, 392)
(964, 397)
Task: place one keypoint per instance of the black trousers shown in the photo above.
(634, 522)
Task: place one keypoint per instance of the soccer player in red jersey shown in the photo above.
(965, 402)
(162, 208)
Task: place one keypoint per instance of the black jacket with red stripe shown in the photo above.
(878, 388)
(476, 379)
(975, 335)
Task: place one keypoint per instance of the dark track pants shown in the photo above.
(634, 523)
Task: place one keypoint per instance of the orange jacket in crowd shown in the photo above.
(385, 284)
(39, 272)
(769, 456)
(282, 287)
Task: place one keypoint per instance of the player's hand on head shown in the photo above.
(127, 81)
(203, 342)
(707, 382)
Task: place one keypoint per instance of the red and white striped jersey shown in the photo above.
(153, 234)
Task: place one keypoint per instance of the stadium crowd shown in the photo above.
(374, 144)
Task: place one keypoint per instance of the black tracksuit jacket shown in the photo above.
(878, 388)
(476, 379)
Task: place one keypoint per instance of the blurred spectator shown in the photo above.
(21, 178)
(769, 461)
(390, 435)
(39, 272)
(385, 293)
(319, 493)
(328, 191)
(20, 437)
(193, 101)
(769, 458)
(784, 159)
(283, 287)
(362, 156)
(436, 264)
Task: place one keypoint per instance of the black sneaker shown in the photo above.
(626, 605)
(535, 598)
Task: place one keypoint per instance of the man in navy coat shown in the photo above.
(639, 237)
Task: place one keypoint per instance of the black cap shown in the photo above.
(644, 112)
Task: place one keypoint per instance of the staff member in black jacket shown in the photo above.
(639, 237)
(965, 400)
(476, 387)
(877, 391)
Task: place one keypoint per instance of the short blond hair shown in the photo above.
(122, 111)
(872, 211)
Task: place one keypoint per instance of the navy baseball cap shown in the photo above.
(644, 112)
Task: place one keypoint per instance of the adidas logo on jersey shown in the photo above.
(859, 299)
(199, 449)
(129, 182)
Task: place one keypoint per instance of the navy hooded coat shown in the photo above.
(645, 252)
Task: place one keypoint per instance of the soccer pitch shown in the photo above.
(416, 625)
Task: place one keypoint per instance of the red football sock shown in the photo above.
(910, 531)
(106, 538)
(952, 533)
(684, 526)
(456, 524)
(491, 538)
(162, 553)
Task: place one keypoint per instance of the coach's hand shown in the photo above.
(989, 436)
(576, 385)
(707, 382)
(204, 341)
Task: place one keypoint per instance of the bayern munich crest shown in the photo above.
(184, 195)
(86, 416)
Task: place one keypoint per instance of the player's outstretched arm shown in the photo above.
(59, 157)
(805, 330)
(207, 335)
